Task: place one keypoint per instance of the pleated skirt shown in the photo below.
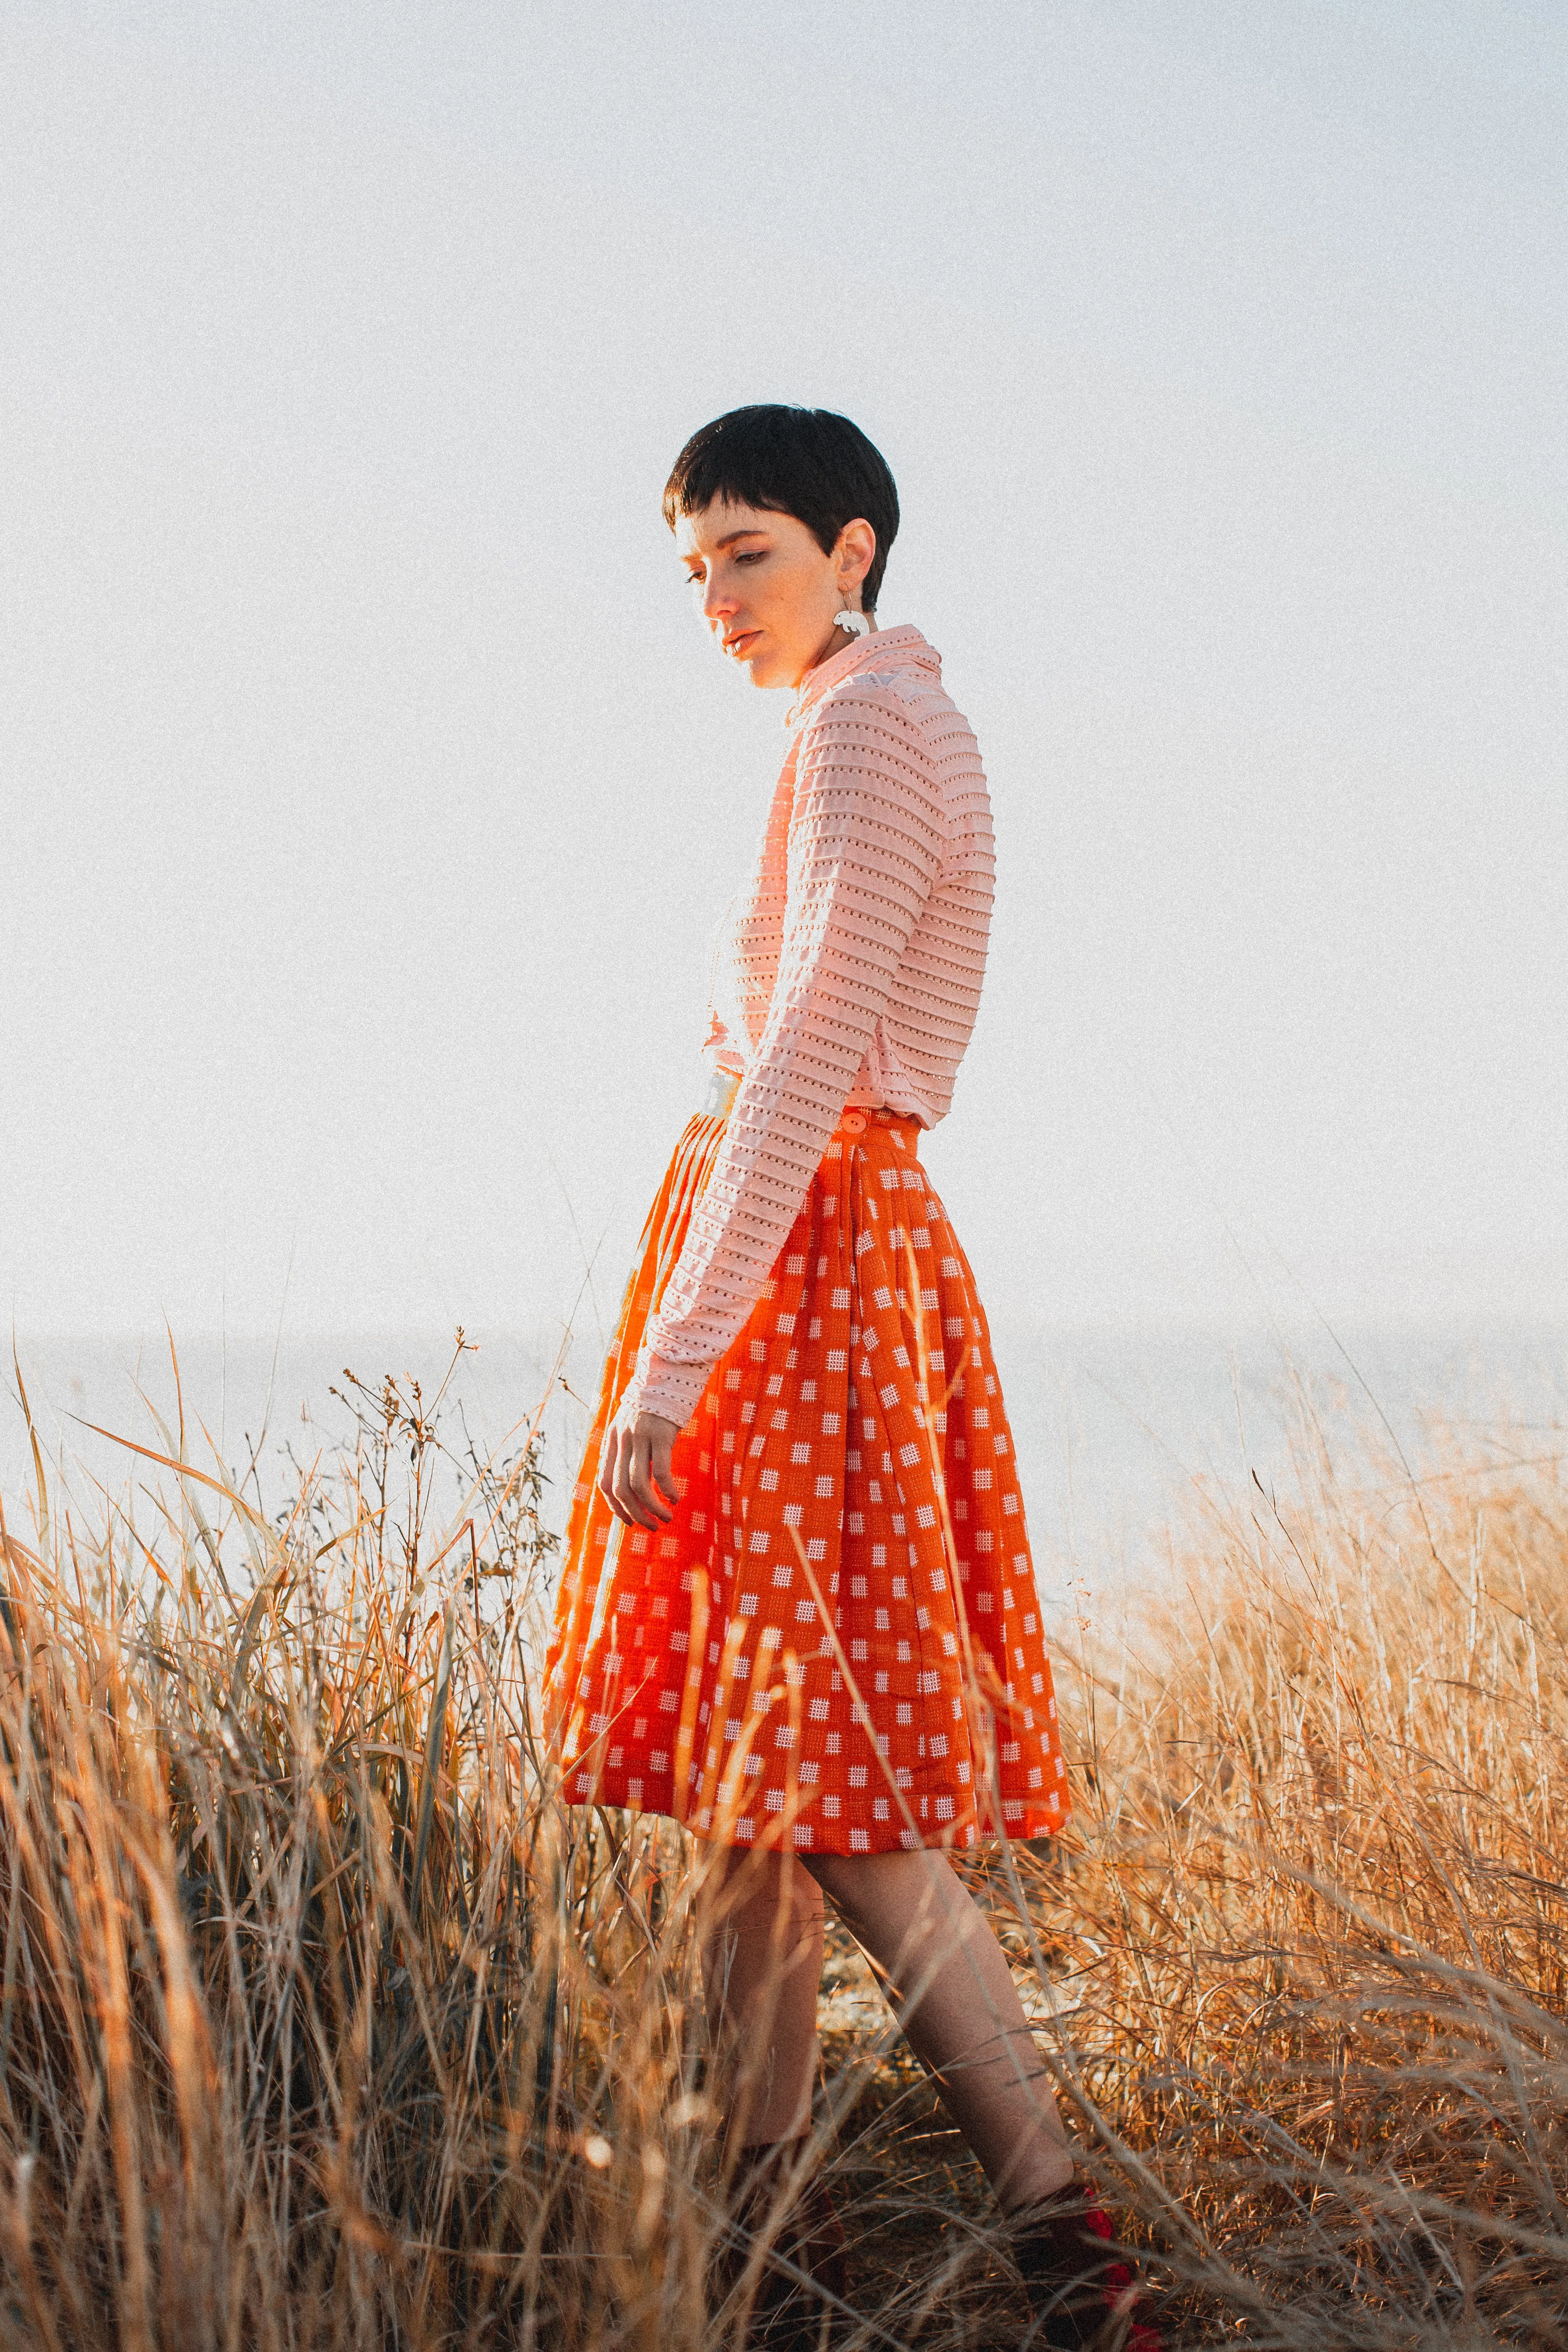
(835, 1644)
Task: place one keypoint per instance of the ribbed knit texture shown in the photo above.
(849, 971)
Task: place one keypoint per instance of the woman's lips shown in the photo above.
(737, 644)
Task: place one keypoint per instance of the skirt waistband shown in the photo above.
(854, 1120)
(855, 1123)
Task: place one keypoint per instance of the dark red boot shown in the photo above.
(1082, 2292)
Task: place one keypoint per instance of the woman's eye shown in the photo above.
(754, 555)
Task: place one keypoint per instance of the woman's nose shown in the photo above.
(716, 600)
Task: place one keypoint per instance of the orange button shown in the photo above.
(852, 1123)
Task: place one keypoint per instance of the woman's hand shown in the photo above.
(635, 1474)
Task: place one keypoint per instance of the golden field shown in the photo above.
(323, 2024)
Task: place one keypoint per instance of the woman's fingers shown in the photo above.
(635, 1504)
(645, 1460)
(613, 1474)
(662, 1434)
(635, 1477)
(615, 1478)
(607, 1457)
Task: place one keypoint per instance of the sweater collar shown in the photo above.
(901, 648)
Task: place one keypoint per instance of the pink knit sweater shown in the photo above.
(848, 970)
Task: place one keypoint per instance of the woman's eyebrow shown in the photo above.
(751, 530)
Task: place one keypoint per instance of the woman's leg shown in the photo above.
(953, 1992)
(761, 1925)
(947, 1977)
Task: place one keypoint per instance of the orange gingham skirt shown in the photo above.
(835, 1644)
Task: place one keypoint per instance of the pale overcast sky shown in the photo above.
(370, 794)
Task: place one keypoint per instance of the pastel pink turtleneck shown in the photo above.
(848, 970)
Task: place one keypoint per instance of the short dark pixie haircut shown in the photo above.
(806, 462)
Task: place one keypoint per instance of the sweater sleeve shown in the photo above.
(865, 839)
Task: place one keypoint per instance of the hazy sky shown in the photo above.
(369, 794)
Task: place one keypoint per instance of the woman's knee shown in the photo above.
(741, 1878)
(835, 1876)
(862, 1885)
(895, 1902)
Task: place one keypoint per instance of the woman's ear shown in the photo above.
(855, 553)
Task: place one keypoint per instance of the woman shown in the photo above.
(798, 1612)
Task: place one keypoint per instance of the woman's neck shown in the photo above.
(833, 643)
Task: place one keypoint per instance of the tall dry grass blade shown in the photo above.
(433, 1753)
(40, 1484)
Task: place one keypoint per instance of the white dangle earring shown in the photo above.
(858, 625)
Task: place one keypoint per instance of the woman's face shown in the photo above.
(768, 592)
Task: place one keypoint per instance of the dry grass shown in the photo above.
(322, 2024)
